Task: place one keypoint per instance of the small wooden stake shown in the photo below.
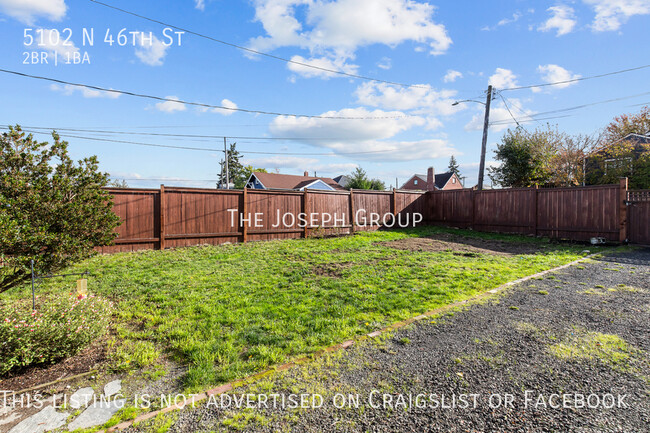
(82, 287)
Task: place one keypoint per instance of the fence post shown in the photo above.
(622, 199)
(535, 220)
(244, 209)
(161, 210)
(352, 215)
(394, 203)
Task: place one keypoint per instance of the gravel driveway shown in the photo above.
(568, 352)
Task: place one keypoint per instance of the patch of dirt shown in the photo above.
(86, 360)
(333, 270)
(462, 246)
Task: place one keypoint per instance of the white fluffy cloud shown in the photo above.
(611, 14)
(503, 78)
(26, 11)
(335, 29)
(504, 22)
(53, 42)
(362, 134)
(171, 106)
(555, 73)
(199, 4)
(452, 76)
(562, 20)
(68, 89)
(151, 50)
(385, 63)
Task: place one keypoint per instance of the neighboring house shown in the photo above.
(431, 182)
(259, 180)
(342, 180)
(601, 161)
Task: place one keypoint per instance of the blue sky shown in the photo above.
(448, 51)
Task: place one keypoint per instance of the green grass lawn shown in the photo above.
(227, 311)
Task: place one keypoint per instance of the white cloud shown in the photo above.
(171, 106)
(423, 98)
(362, 134)
(555, 73)
(500, 118)
(321, 62)
(199, 4)
(68, 89)
(385, 63)
(53, 41)
(611, 14)
(26, 11)
(452, 76)
(503, 79)
(151, 50)
(335, 29)
(562, 19)
(227, 103)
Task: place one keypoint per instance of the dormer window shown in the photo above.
(415, 182)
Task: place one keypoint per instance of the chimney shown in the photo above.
(306, 173)
(430, 179)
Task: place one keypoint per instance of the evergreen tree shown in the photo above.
(453, 166)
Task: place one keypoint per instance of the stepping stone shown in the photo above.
(112, 388)
(96, 414)
(46, 420)
(81, 398)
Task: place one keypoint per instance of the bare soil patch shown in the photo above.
(462, 246)
(333, 270)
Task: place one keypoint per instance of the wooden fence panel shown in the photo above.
(453, 208)
(505, 211)
(368, 202)
(579, 213)
(196, 217)
(268, 204)
(639, 216)
(337, 206)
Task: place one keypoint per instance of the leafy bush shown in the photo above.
(52, 210)
(60, 328)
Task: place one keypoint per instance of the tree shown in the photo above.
(626, 124)
(359, 180)
(234, 167)
(453, 166)
(524, 160)
(544, 156)
(118, 183)
(621, 159)
(52, 210)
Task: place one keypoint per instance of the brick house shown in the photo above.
(433, 182)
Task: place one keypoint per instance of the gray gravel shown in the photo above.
(530, 338)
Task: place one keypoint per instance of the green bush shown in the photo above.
(59, 328)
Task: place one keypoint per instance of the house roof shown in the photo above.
(289, 181)
(637, 139)
(342, 180)
(440, 180)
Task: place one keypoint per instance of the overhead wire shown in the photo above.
(197, 104)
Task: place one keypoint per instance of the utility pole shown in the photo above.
(225, 152)
(486, 125)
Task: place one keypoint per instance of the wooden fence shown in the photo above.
(177, 217)
(639, 216)
(564, 213)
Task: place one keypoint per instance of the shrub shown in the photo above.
(52, 210)
(60, 328)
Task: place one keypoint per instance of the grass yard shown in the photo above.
(231, 310)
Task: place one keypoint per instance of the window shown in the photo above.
(617, 164)
(415, 182)
(453, 180)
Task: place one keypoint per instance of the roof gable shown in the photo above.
(292, 182)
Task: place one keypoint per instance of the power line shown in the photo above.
(198, 104)
(252, 51)
(508, 122)
(574, 80)
(332, 153)
(508, 108)
(155, 134)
